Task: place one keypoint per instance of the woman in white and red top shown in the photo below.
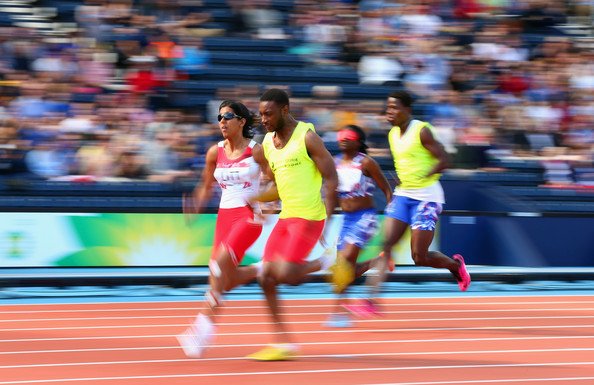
(235, 164)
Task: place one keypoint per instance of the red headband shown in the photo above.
(348, 135)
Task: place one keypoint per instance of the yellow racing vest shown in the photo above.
(298, 180)
(412, 160)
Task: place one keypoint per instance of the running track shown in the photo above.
(462, 339)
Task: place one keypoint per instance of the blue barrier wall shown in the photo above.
(519, 241)
(505, 223)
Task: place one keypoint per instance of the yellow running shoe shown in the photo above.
(342, 276)
(273, 353)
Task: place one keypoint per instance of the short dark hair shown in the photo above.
(241, 110)
(362, 136)
(276, 95)
(405, 98)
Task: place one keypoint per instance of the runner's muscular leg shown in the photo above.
(420, 242)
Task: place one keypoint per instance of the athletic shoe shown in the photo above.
(328, 257)
(196, 338)
(465, 280)
(364, 309)
(338, 321)
(281, 352)
(342, 275)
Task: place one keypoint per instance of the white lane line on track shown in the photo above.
(349, 331)
(370, 342)
(350, 356)
(295, 372)
(416, 320)
(548, 310)
(387, 301)
(508, 380)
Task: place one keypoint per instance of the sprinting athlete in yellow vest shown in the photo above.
(297, 177)
(298, 164)
(418, 198)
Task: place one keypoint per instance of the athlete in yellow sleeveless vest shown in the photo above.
(414, 162)
(418, 159)
(298, 164)
(297, 177)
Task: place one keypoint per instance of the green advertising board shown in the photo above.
(126, 239)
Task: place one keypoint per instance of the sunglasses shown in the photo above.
(228, 116)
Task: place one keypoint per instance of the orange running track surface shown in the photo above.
(420, 341)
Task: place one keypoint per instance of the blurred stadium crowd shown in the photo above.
(128, 90)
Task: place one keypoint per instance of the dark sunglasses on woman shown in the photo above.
(228, 116)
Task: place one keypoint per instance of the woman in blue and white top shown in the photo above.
(358, 175)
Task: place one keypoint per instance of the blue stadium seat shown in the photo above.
(5, 19)
(562, 206)
(202, 87)
(236, 73)
(518, 165)
(508, 178)
(220, 14)
(320, 76)
(214, 3)
(187, 100)
(361, 91)
(386, 163)
(244, 44)
(332, 147)
(550, 194)
(263, 59)
(584, 175)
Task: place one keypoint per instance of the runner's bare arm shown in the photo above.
(270, 193)
(436, 149)
(319, 154)
(372, 169)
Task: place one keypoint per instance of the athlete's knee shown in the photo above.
(288, 275)
(228, 286)
(390, 241)
(266, 279)
(420, 257)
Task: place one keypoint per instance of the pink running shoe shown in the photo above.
(363, 309)
(465, 280)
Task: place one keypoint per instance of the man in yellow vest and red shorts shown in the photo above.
(419, 158)
(298, 164)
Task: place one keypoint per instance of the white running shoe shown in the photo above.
(197, 337)
(328, 257)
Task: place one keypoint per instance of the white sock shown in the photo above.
(259, 267)
(327, 258)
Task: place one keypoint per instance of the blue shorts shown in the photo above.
(420, 215)
(357, 228)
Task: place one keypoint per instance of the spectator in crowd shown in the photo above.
(518, 72)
